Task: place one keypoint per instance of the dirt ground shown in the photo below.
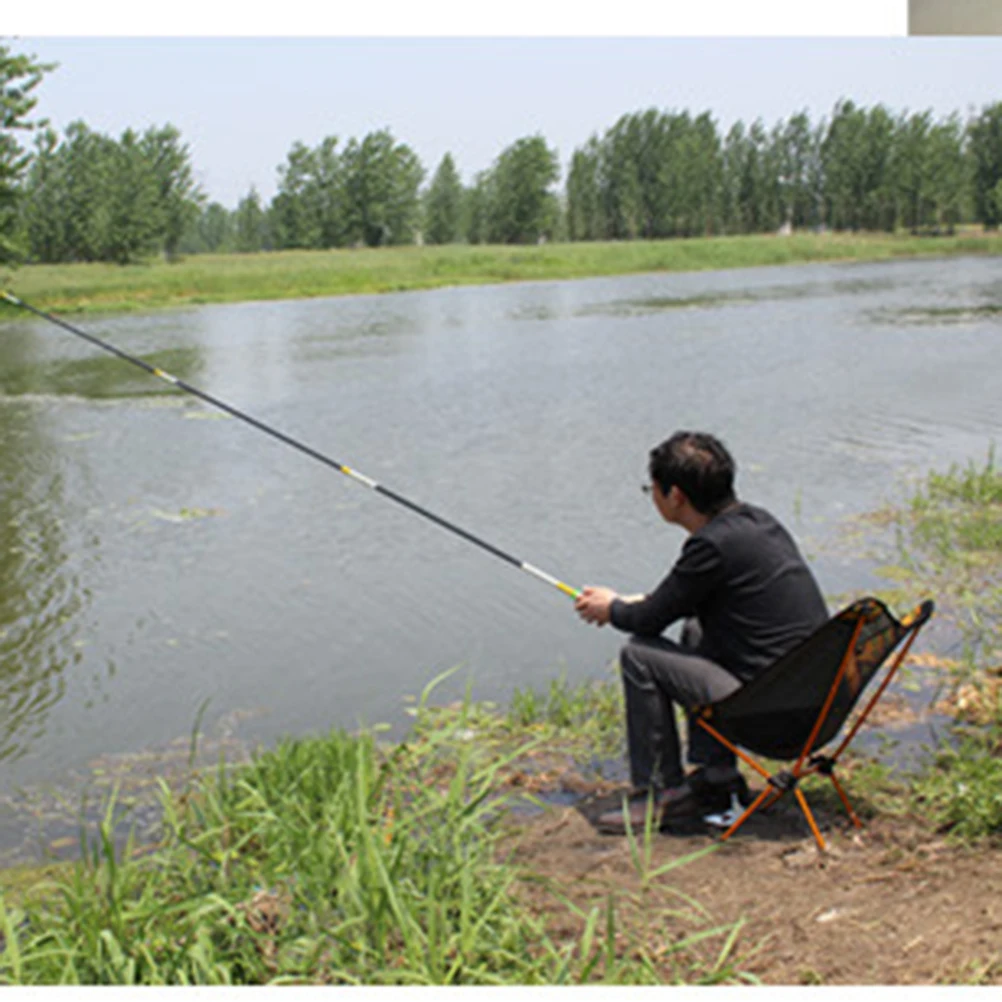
(893, 903)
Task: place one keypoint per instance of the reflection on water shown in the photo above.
(41, 593)
(102, 376)
(524, 413)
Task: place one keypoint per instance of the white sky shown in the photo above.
(241, 102)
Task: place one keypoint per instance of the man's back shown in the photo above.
(767, 599)
(742, 576)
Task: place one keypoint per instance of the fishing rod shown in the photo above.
(296, 444)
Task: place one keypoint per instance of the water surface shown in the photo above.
(155, 554)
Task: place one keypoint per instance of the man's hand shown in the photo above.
(593, 604)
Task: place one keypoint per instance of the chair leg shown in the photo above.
(802, 800)
(845, 801)
(774, 796)
(752, 808)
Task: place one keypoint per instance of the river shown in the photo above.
(158, 558)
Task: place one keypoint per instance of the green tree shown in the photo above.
(799, 167)
(858, 159)
(309, 208)
(382, 179)
(87, 177)
(985, 151)
(92, 198)
(19, 76)
(731, 171)
(216, 228)
(649, 140)
(135, 210)
(765, 193)
(294, 211)
(657, 173)
(42, 209)
(703, 176)
(843, 158)
(879, 209)
(909, 169)
(752, 194)
(585, 217)
(476, 209)
(946, 181)
(620, 184)
(638, 176)
(443, 205)
(328, 178)
(179, 199)
(522, 207)
(210, 233)
(249, 224)
(67, 190)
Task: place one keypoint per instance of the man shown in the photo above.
(747, 597)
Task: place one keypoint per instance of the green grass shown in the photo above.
(957, 516)
(971, 485)
(961, 791)
(592, 711)
(334, 860)
(81, 288)
(949, 540)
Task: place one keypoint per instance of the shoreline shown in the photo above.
(346, 859)
(200, 280)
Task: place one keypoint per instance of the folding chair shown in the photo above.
(797, 706)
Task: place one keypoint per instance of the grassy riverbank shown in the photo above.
(342, 860)
(949, 545)
(81, 288)
(336, 861)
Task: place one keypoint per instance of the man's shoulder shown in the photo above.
(740, 516)
(743, 521)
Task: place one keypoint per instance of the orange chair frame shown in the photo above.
(786, 781)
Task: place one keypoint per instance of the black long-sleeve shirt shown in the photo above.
(742, 576)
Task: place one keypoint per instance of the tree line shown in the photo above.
(654, 174)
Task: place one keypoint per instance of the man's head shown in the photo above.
(699, 466)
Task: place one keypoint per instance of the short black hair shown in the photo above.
(699, 465)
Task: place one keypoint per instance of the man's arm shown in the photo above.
(697, 572)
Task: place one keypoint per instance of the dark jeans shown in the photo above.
(658, 673)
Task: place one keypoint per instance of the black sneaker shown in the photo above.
(715, 787)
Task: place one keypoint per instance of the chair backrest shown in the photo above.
(775, 713)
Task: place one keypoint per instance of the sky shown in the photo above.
(241, 102)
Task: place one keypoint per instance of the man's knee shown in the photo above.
(634, 664)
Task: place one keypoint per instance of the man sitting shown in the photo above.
(747, 597)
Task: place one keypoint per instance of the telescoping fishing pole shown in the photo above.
(302, 447)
